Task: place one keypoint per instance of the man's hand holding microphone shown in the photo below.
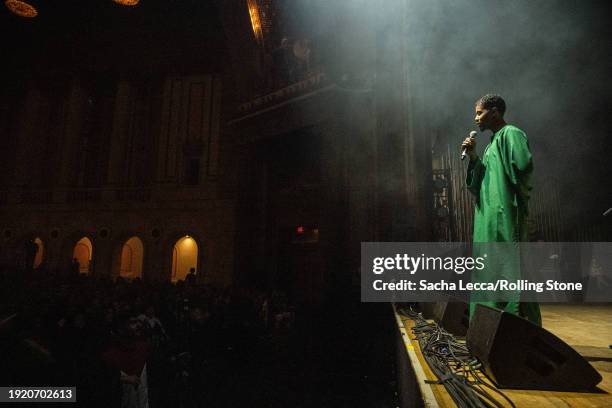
(468, 147)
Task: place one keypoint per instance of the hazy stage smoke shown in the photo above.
(549, 60)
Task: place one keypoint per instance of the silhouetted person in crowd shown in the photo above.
(75, 267)
(282, 64)
(31, 248)
(190, 279)
(129, 354)
(153, 327)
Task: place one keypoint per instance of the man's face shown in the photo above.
(484, 117)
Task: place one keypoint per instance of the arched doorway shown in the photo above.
(40, 252)
(83, 252)
(131, 259)
(184, 257)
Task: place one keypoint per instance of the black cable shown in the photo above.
(453, 365)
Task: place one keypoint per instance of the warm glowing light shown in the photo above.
(40, 248)
(255, 21)
(184, 257)
(21, 8)
(131, 259)
(300, 230)
(127, 2)
(83, 251)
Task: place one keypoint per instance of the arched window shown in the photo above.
(83, 252)
(184, 257)
(131, 259)
(40, 252)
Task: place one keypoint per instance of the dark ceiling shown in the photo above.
(99, 35)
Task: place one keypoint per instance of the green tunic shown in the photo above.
(501, 182)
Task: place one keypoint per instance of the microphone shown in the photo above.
(473, 134)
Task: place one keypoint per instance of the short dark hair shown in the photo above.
(489, 101)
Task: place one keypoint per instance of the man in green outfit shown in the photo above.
(501, 182)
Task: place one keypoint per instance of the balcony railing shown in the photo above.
(73, 196)
(83, 196)
(36, 197)
(135, 194)
(296, 89)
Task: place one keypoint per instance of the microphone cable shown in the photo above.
(453, 365)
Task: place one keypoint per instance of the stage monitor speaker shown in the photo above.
(452, 316)
(518, 354)
(427, 309)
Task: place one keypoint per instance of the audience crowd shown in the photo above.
(131, 343)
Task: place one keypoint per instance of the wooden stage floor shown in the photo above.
(587, 328)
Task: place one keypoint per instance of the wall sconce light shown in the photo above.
(21, 8)
(127, 2)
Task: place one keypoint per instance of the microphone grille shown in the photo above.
(473, 133)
